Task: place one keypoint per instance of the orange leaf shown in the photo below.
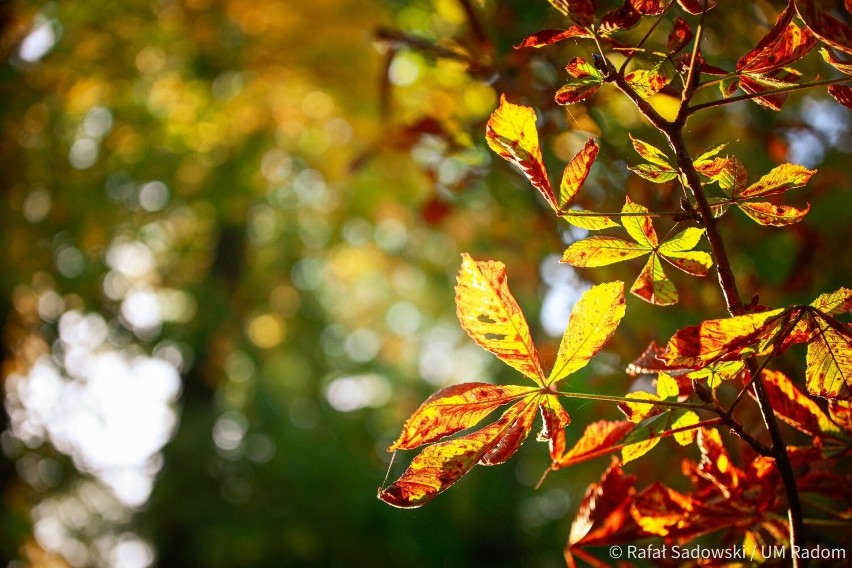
(554, 420)
(550, 36)
(829, 360)
(511, 132)
(831, 58)
(604, 513)
(794, 407)
(696, 7)
(587, 81)
(842, 94)
(841, 413)
(649, 7)
(716, 465)
(653, 285)
(453, 409)
(593, 321)
(779, 180)
(601, 251)
(773, 215)
(829, 29)
(491, 316)
(783, 44)
(723, 339)
(619, 19)
(440, 465)
(598, 438)
(575, 174)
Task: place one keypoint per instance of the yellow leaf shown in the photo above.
(638, 411)
(601, 251)
(593, 321)
(779, 180)
(588, 220)
(834, 303)
(491, 316)
(667, 386)
(638, 449)
(638, 224)
(511, 132)
(773, 215)
(684, 419)
(829, 362)
(575, 173)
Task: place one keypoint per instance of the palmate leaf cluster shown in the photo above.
(697, 360)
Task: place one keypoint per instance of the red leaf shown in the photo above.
(619, 19)
(604, 513)
(587, 81)
(828, 28)
(696, 7)
(680, 35)
(841, 94)
(551, 36)
(783, 44)
(794, 407)
(649, 7)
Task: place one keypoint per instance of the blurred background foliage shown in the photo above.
(230, 234)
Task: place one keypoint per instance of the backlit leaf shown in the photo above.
(729, 173)
(638, 224)
(714, 340)
(650, 152)
(834, 303)
(779, 180)
(709, 153)
(794, 407)
(716, 465)
(771, 214)
(588, 219)
(518, 431)
(619, 19)
(636, 450)
(829, 29)
(654, 173)
(842, 94)
(653, 285)
(696, 7)
(680, 35)
(554, 419)
(829, 362)
(638, 411)
(684, 419)
(597, 439)
(511, 132)
(581, 11)
(593, 320)
(647, 82)
(715, 373)
(440, 465)
(842, 65)
(649, 7)
(551, 36)
(729, 85)
(604, 512)
(601, 251)
(840, 412)
(783, 44)
(576, 172)
(586, 80)
(667, 386)
(491, 316)
(453, 409)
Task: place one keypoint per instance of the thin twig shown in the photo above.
(749, 96)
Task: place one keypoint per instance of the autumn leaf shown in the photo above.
(490, 315)
(732, 176)
(829, 29)
(453, 409)
(652, 285)
(593, 321)
(638, 411)
(794, 407)
(587, 80)
(597, 439)
(619, 19)
(696, 7)
(575, 174)
(588, 220)
(648, 82)
(842, 94)
(842, 65)
(684, 420)
(658, 169)
(511, 132)
(551, 36)
(680, 36)
(649, 7)
(829, 360)
(440, 465)
(581, 11)
(834, 303)
(604, 513)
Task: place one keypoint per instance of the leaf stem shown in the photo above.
(608, 398)
(797, 87)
